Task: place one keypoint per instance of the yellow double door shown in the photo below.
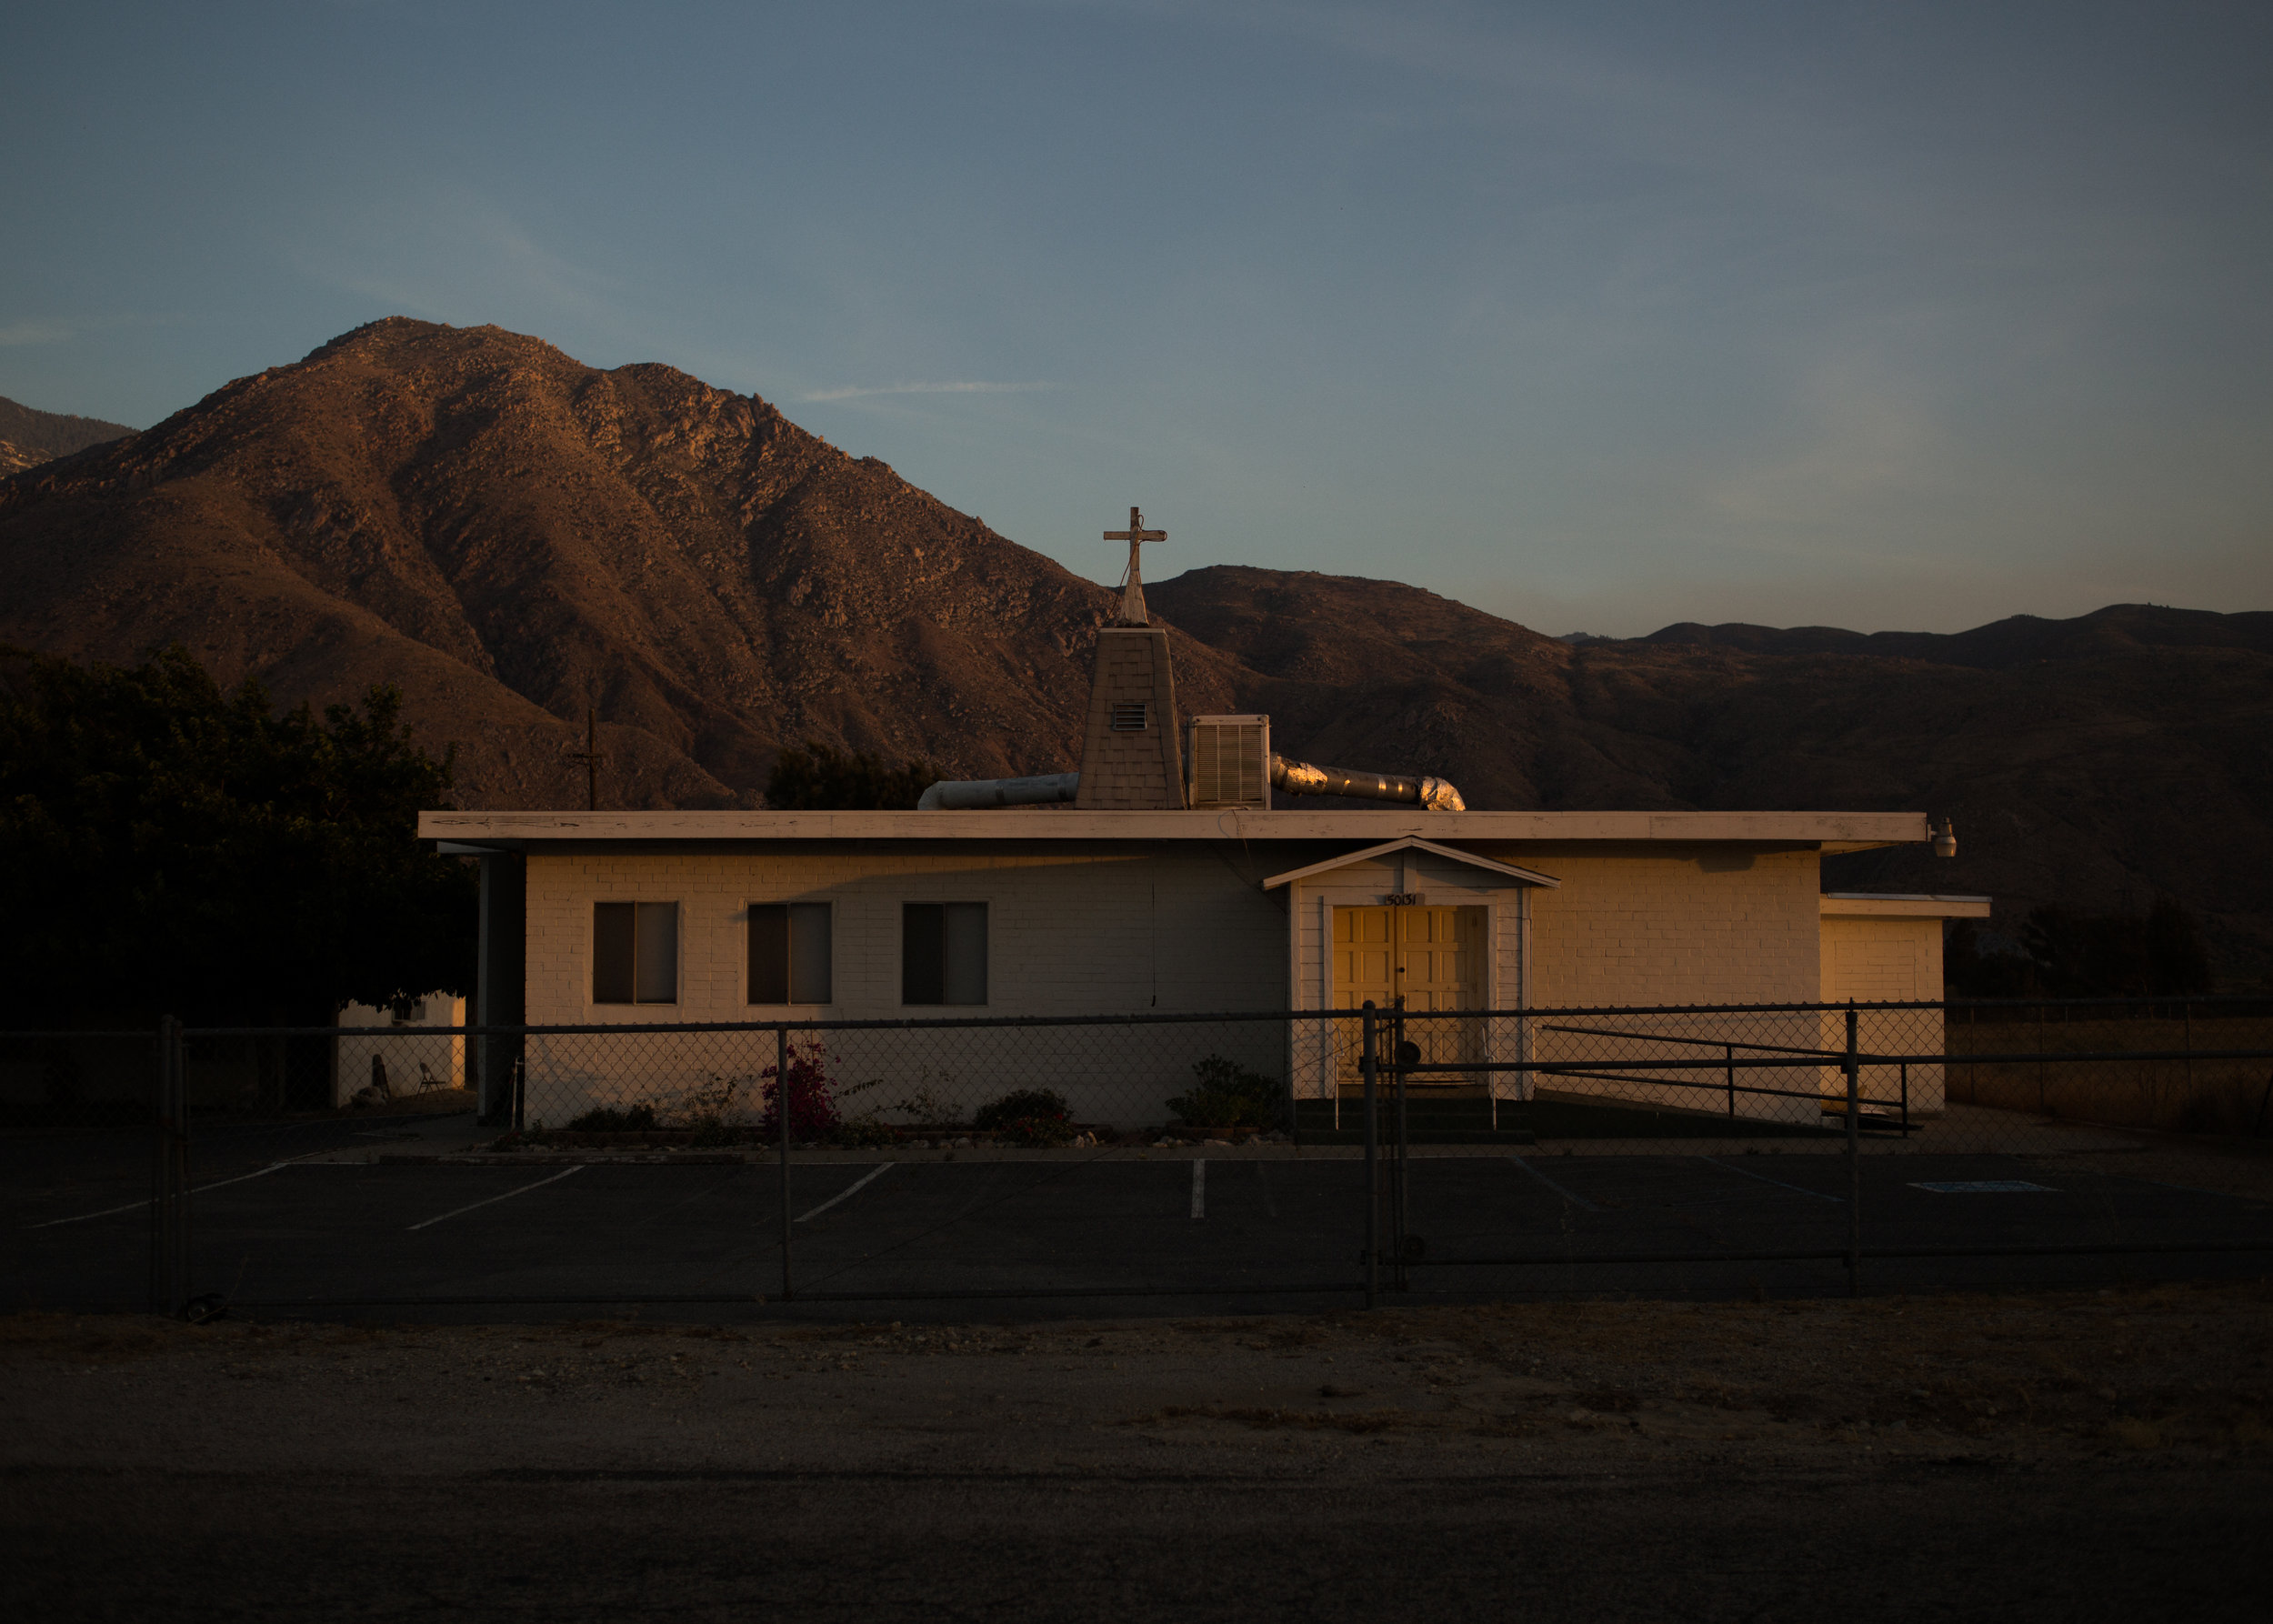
(1433, 959)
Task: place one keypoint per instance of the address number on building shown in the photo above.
(1406, 900)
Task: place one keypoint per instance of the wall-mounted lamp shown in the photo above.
(1946, 839)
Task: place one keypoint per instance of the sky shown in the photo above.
(1600, 317)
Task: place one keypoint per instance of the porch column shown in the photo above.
(500, 996)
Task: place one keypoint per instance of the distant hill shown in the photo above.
(2001, 644)
(503, 531)
(32, 437)
(2095, 762)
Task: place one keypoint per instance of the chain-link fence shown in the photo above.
(1931, 1131)
(1370, 1151)
(2178, 1066)
(82, 1150)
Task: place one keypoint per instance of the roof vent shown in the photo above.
(1230, 762)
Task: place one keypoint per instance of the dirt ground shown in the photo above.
(2090, 1455)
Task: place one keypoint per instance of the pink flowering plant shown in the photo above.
(813, 1113)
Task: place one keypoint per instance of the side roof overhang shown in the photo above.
(1903, 905)
(1522, 877)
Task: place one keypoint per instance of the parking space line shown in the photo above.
(1199, 1186)
(508, 1195)
(1579, 1201)
(853, 1188)
(1779, 1184)
(201, 1189)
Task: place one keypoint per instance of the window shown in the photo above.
(942, 953)
(790, 953)
(634, 952)
(1128, 715)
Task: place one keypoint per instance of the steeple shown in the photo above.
(1129, 756)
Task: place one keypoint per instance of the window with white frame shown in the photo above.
(790, 952)
(942, 953)
(635, 953)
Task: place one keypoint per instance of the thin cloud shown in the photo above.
(37, 332)
(450, 254)
(854, 392)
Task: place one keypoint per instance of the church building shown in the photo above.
(1186, 867)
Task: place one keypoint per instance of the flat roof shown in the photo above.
(1831, 831)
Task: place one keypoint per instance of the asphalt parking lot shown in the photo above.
(1114, 1231)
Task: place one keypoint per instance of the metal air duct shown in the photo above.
(1299, 777)
(971, 795)
(1296, 778)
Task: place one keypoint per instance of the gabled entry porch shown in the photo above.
(1436, 939)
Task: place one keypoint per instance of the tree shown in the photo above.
(817, 778)
(1971, 969)
(168, 847)
(2069, 954)
(2151, 954)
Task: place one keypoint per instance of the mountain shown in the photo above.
(507, 534)
(29, 438)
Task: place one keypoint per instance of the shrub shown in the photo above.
(1022, 1105)
(608, 1118)
(709, 1111)
(1027, 1116)
(812, 1103)
(1035, 1131)
(1228, 1096)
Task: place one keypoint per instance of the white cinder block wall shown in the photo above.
(1643, 923)
(1086, 930)
(1651, 924)
(1881, 958)
(1872, 959)
(1069, 932)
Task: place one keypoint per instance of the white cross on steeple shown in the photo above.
(1133, 611)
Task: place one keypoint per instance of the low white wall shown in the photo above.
(416, 1060)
